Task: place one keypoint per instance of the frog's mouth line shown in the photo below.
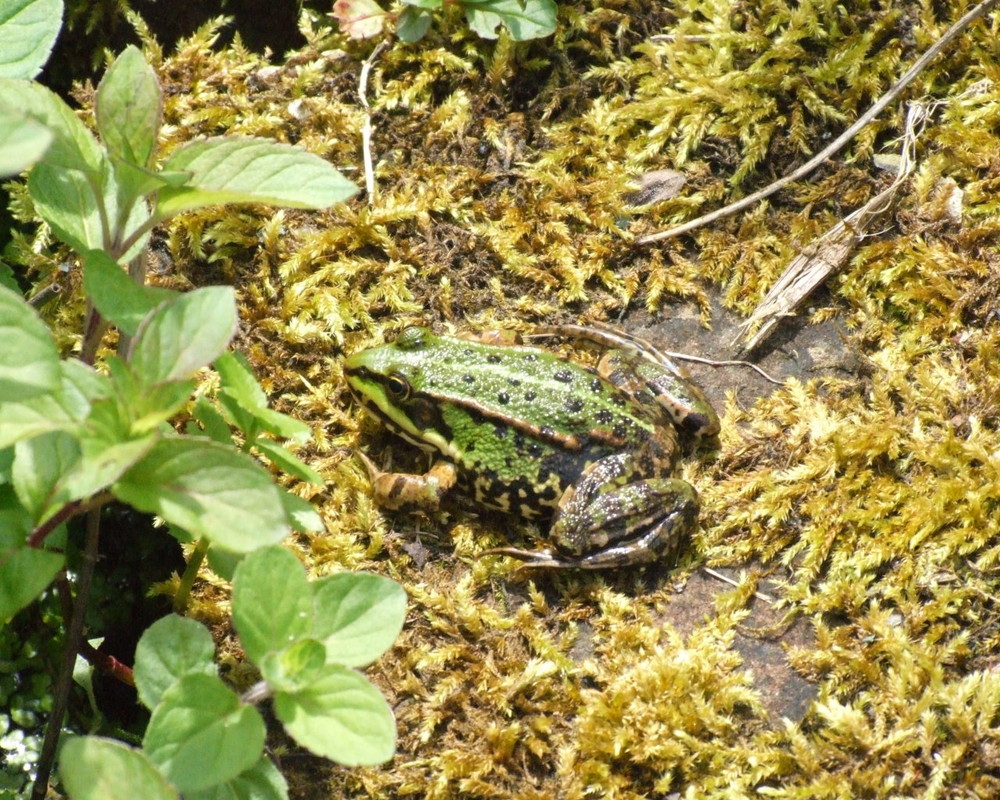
(368, 389)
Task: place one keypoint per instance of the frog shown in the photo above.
(536, 433)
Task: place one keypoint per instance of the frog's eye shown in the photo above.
(398, 386)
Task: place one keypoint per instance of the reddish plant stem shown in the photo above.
(107, 663)
(38, 535)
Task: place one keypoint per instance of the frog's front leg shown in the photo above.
(604, 522)
(395, 490)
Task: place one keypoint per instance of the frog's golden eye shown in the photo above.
(398, 386)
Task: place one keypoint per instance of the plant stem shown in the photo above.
(39, 534)
(190, 573)
(107, 663)
(136, 235)
(74, 635)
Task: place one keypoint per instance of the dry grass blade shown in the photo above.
(828, 254)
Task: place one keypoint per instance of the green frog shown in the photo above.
(533, 433)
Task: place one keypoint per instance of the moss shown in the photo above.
(870, 498)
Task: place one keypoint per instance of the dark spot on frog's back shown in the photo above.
(468, 379)
(530, 395)
(596, 386)
(503, 398)
(493, 358)
(563, 376)
(574, 405)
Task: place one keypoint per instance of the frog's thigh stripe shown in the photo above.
(397, 489)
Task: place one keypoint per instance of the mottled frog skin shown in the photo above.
(530, 432)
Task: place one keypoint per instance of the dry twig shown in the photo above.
(366, 129)
(828, 254)
(839, 142)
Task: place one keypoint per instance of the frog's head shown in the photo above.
(388, 381)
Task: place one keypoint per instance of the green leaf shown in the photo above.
(424, 3)
(184, 334)
(7, 277)
(28, 29)
(92, 768)
(238, 378)
(301, 512)
(24, 574)
(171, 648)
(57, 467)
(39, 466)
(129, 108)
(6, 460)
(525, 19)
(73, 145)
(200, 734)
(239, 386)
(119, 299)
(295, 668)
(108, 448)
(262, 781)
(413, 24)
(214, 426)
(340, 716)
(22, 142)
(224, 563)
(241, 170)
(210, 490)
(59, 410)
(29, 361)
(357, 616)
(280, 457)
(145, 407)
(70, 202)
(272, 602)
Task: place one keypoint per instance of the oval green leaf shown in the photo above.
(29, 361)
(247, 170)
(340, 716)
(200, 734)
(22, 143)
(28, 29)
(262, 781)
(210, 490)
(358, 616)
(184, 334)
(129, 108)
(171, 648)
(272, 602)
(92, 768)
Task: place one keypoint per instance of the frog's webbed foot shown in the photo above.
(661, 540)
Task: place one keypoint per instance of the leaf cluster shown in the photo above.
(203, 740)
(521, 19)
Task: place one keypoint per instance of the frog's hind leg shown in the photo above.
(633, 524)
(605, 520)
